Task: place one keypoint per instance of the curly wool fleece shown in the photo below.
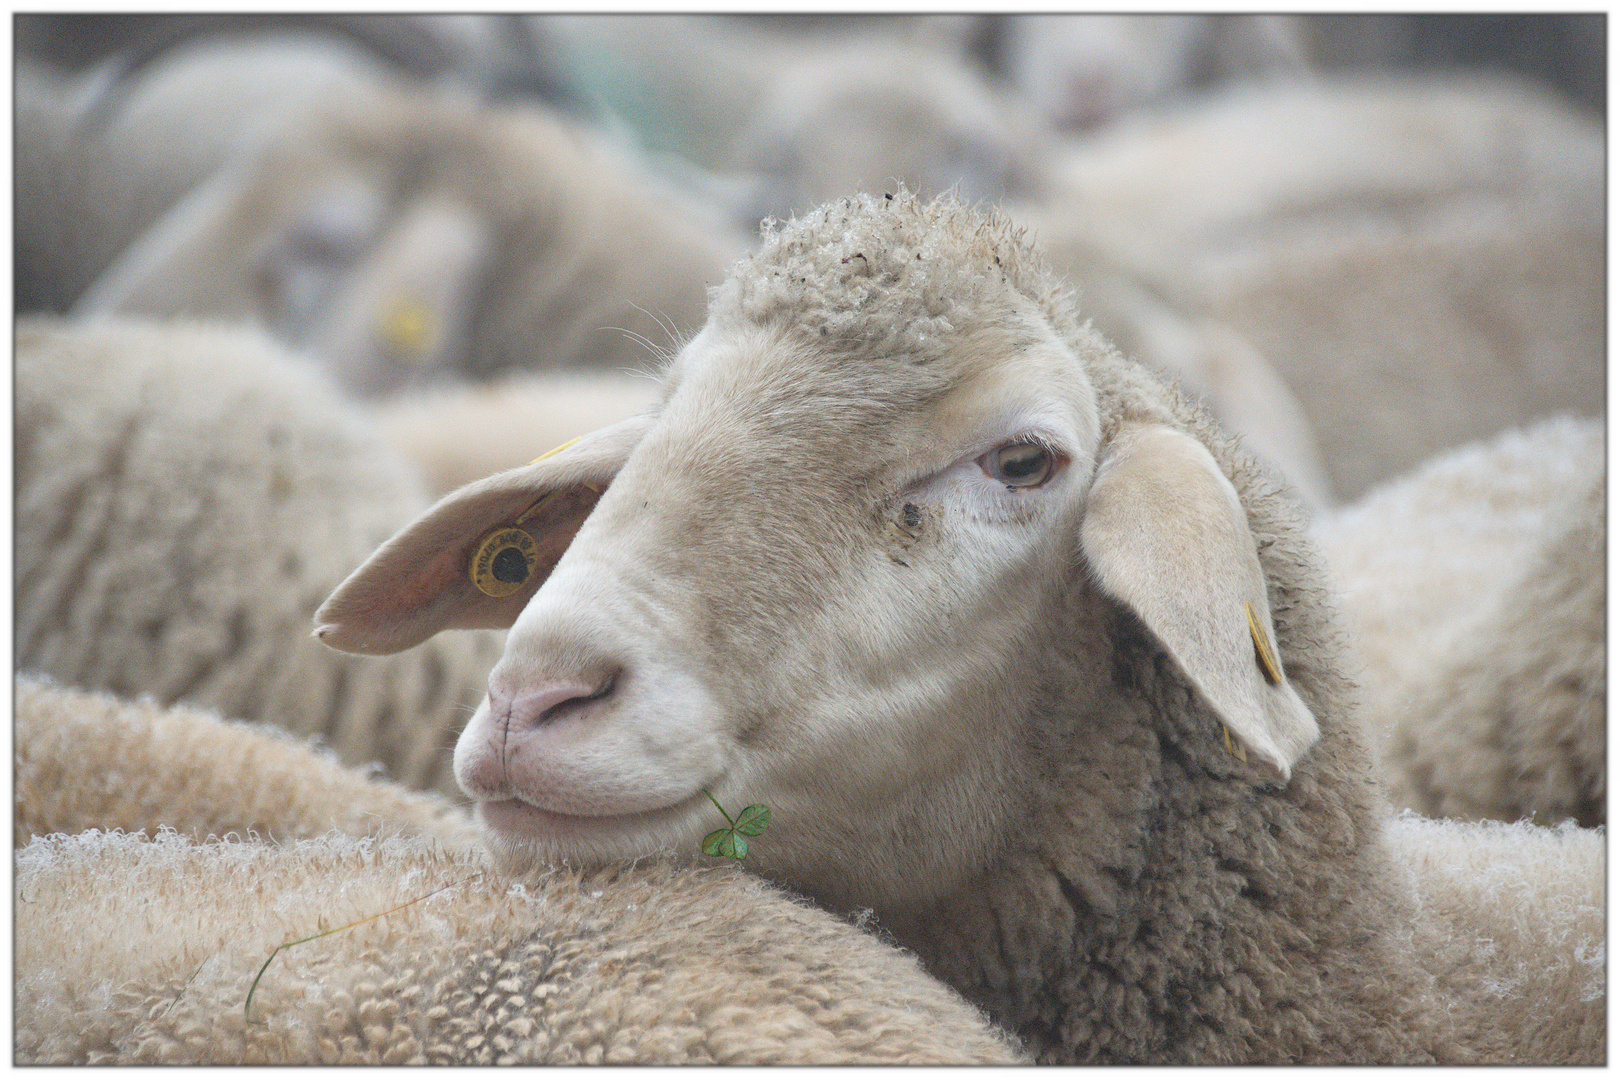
(889, 277)
(144, 952)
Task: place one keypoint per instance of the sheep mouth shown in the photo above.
(517, 818)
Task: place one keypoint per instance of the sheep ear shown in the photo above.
(476, 557)
(1166, 535)
(404, 308)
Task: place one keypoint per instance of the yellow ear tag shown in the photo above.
(1237, 751)
(558, 450)
(408, 326)
(503, 561)
(1262, 648)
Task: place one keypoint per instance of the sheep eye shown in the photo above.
(1019, 464)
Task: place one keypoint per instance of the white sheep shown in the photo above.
(403, 234)
(1422, 259)
(648, 965)
(1525, 905)
(185, 496)
(866, 117)
(1020, 650)
(100, 160)
(139, 951)
(1475, 591)
(1082, 71)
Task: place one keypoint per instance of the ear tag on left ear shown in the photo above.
(558, 450)
(503, 561)
(408, 326)
(1262, 648)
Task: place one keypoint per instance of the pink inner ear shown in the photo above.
(418, 583)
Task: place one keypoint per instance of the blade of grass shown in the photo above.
(247, 1003)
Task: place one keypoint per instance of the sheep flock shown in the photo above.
(1126, 493)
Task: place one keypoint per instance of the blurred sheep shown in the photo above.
(185, 496)
(867, 117)
(1081, 71)
(413, 236)
(99, 159)
(459, 433)
(1475, 591)
(1422, 260)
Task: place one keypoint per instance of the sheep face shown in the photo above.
(786, 595)
(806, 586)
(831, 578)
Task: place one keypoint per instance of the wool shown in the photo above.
(186, 495)
(1529, 904)
(1475, 589)
(87, 760)
(641, 963)
(629, 965)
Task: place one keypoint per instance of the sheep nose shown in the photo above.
(535, 705)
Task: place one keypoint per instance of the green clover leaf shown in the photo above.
(751, 820)
(728, 843)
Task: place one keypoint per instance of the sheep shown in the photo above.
(87, 760)
(185, 496)
(647, 963)
(404, 236)
(865, 116)
(100, 161)
(1082, 71)
(1475, 592)
(404, 233)
(1540, 895)
(1023, 653)
(1423, 260)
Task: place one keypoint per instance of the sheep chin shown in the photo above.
(521, 837)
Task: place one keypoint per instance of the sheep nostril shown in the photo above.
(535, 706)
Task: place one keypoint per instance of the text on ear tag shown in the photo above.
(503, 561)
(1262, 648)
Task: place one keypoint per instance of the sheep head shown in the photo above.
(825, 573)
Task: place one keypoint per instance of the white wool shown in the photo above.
(1474, 588)
(186, 495)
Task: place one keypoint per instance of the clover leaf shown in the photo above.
(728, 843)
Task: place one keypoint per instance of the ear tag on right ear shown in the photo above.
(1262, 649)
(503, 561)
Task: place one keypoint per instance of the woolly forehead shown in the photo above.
(890, 278)
(870, 314)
